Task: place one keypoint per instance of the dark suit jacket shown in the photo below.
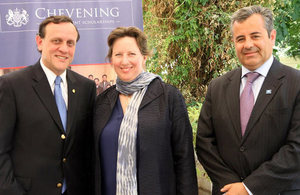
(267, 157)
(165, 156)
(103, 86)
(34, 156)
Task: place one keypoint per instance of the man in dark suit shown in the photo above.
(41, 152)
(252, 149)
(104, 84)
(98, 88)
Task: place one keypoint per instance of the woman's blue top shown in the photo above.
(108, 144)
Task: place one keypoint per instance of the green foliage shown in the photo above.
(191, 40)
(287, 24)
(194, 112)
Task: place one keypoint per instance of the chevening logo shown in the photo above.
(17, 17)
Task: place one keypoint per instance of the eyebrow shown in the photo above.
(253, 33)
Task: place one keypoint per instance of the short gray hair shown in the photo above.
(244, 13)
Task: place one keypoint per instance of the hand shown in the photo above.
(234, 189)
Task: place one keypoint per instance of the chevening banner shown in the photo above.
(20, 19)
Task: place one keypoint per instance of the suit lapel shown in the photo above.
(232, 97)
(271, 83)
(154, 91)
(72, 108)
(72, 100)
(43, 90)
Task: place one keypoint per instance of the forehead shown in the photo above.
(255, 23)
(125, 43)
(62, 30)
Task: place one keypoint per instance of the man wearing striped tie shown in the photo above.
(248, 137)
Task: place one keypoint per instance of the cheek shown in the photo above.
(237, 49)
(269, 47)
(72, 52)
(114, 66)
(114, 63)
(137, 64)
(49, 50)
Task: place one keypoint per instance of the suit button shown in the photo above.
(63, 136)
(242, 149)
(59, 185)
(64, 160)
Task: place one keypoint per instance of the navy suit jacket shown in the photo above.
(267, 157)
(35, 152)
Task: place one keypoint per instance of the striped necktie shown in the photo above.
(247, 100)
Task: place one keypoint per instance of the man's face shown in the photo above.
(104, 78)
(96, 81)
(253, 46)
(58, 46)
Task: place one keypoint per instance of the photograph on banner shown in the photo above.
(103, 75)
(94, 19)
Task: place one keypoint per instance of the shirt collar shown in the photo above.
(262, 70)
(51, 76)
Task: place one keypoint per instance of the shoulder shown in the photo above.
(167, 89)
(74, 75)
(290, 71)
(19, 77)
(171, 95)
(175, 102)
(285, 74)
(109, 91)
(110, 94)
(228, 76)
(21, 73)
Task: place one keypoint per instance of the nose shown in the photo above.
(125, 60)
(63, 48)
(248, 43)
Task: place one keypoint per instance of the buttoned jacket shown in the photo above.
(35, 151)
(267, 157)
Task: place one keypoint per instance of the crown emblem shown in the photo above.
(17, 17)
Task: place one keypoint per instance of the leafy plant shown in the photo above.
(192, 41)
(287, 24)
(194, 112)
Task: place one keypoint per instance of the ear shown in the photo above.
(144, 62)
(39, 42)
(145, 58)
(273, 36)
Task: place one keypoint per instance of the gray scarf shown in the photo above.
(140, 82)
(126, 160)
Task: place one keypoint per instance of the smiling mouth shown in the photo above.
(127, 68)
(62, 57)
(250, 53)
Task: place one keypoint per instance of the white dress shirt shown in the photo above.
(263, 71)
(51, 76)
(256, 86)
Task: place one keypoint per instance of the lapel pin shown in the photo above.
(268, 91)
(73, 90)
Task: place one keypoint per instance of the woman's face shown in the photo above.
(127, 59)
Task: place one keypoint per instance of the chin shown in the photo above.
(251, 66)
(125, 79)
